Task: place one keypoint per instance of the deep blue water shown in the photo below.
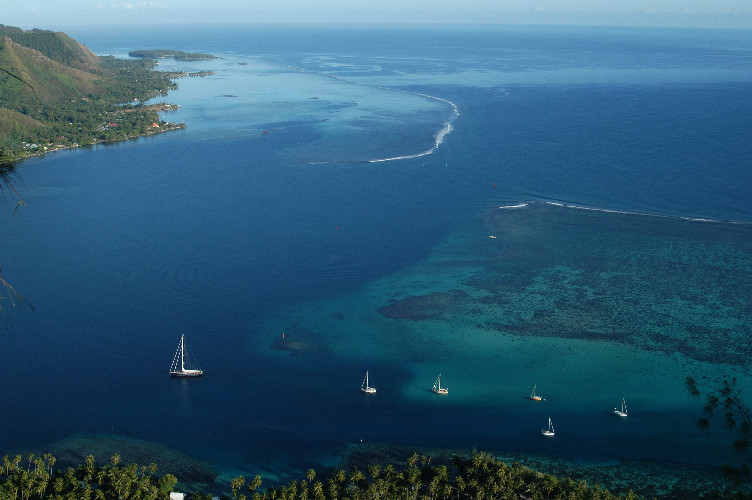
(268, 214)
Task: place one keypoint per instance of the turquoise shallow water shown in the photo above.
(583, 227)
(589, 306)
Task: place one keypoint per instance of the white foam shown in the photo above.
(446, 129)
(440, 135)
(524, 204)
(643, 214)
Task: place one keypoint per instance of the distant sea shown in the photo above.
(566, 208)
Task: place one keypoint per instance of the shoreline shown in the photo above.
(660, 479)
(159, 129)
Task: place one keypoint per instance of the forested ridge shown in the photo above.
(55, 93)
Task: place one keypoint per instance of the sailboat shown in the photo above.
(550, 430)
(178, 368)
(437, 387)
(365, 387)
(534, 396)
(623, 412)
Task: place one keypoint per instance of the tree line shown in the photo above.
(478, 476)
(34, 477)
(475, 477)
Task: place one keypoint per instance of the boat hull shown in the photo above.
(196, 373)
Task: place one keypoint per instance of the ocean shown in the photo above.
(511, 207)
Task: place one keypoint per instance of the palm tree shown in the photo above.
(446, 491)
(339, 476)
(333, 488)
(389, 471)
(89, 468)
(58, 485)
(311, 475)
(374, 471)
(254, 484)
(357, 477)
(318, 491)
(50, 462)
(236, 484)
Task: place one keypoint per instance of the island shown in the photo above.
(56, 94)
(175, 54)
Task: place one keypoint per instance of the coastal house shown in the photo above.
(174, 495)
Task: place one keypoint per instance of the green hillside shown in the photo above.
(57, 46)
(55, 93)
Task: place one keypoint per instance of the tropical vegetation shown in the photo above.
(477, 476)
(725, 401)
(34, 477)
(55, 93)
(175, 54)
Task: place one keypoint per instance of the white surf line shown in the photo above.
(623, 212)
(440, 135)
(439, 138)
(512, 207)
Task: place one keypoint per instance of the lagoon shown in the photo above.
(610, 165)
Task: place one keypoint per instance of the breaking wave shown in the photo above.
(445, 129)
(618, 211)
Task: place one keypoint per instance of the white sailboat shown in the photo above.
(365, 387)
(534, 396)
(550, 430)
(178, 369)
(623, 411)
(437, 387)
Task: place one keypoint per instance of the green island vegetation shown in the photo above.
(477, 476)
(57, 94)
(34, 477)
(175, 54)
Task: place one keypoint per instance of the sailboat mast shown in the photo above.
(182, 365)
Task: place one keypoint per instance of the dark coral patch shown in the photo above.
(436, 305)
(297, 340)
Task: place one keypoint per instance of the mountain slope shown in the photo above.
(56, 93)
(29, 74)
(55, 45)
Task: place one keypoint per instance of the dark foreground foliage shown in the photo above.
(475, 477)
(725, 401)
(35, 478)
